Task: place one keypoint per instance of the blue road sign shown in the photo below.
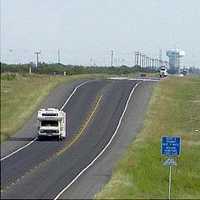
(170, 146)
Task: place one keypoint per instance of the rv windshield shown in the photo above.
(49, 123)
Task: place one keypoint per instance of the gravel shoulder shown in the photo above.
(93, 180)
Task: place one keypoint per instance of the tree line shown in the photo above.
(44, 68)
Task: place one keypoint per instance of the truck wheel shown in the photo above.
(59, 138)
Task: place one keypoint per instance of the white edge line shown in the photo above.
(14, 152)
(36, 138)
(136, 79)
(92, 162)
(73, 94)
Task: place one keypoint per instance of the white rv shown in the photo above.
(52, 122)
(163, 71)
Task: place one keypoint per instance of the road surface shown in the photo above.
(44, 168)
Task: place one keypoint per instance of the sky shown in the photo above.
(86, 31)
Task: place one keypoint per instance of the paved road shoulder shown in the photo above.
(99, 174)
(56, 99)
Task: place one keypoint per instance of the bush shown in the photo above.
(8, 76)
(52, 69)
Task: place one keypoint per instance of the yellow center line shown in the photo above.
(81, 130)
(59, 152)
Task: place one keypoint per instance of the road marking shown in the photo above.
(73, 94)
(60, 151)
(93, 161)
(135, 79)
(82, 130)
(23, 147)
(14, 152)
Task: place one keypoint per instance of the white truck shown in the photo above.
(51, 122)
(163, 72)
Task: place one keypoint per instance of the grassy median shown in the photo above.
(174, 110)
(21, 95)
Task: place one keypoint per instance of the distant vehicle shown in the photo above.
(52, 122)
(185, 72)
(163, 72)
(143, 75)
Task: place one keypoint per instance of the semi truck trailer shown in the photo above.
(163, 72)
(51, 123)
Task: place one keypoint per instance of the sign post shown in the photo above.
(170, 182)
(170, 147)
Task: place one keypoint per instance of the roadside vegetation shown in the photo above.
(174, 110)
(44, 68)
(21, 95)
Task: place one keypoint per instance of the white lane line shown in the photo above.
(143, 79)
(73, 94)
(14, 152)
(135, 79)
(113, 136)
(36, 137)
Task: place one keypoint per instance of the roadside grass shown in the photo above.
(174, 110)
(21, 95)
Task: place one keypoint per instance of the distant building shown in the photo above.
(175, 56)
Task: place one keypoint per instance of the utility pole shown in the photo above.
(166, 63)
(158, 65)
(37, 57)
(153, 63)
(30, 70)
(150, 62)
(139, 59)
(143, 60)
(160, 58)
(136, 58)
(58, 56)
(147, 61)
(112, 54)
(91, 60)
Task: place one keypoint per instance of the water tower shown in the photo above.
(175, 56)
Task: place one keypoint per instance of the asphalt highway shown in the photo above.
(45, 167)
